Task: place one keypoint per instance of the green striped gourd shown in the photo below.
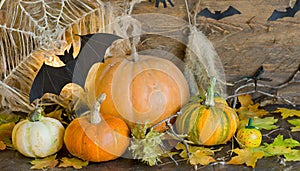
(207, 122)
(38, 136)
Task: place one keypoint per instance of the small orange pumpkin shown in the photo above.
(96, 138)
(142, 89)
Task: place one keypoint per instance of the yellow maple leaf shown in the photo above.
(73, 162)
(200, 157)
(288, 112)
(247, 156)
(2, 145)
(198, 154)
(248, 109)
(245, 100)
(296, 123)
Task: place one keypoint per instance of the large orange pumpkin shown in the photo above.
(96, 138)
(142, 90)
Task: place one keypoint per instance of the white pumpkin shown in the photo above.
(38, 136)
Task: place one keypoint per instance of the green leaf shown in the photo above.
(73, 162)
(289, 142)
(266, 123)
(296, 123)
(280, 146)
(294, 155)
(45, 163)
(288, 112)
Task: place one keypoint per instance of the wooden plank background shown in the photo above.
(247, 41)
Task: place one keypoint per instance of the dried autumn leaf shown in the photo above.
(73, 162)
(249, 156)
(7, 123)
(48, 162)
(147, 146)
(248, 109)
(198, 154)
(202, 158)
(6, 132)
(296, 123)
(56, 114)
(2, 145)
(245, 100)
(288, 112)
(6, 118)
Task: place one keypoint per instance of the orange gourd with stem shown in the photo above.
(207, 122)
(97, 137)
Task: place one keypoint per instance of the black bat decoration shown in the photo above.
(290, 12)
(52, 79)
(218, 15)
(164, 3)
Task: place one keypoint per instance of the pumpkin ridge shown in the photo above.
(195, 132)
(40, 138)
(123, 72)
(223, 134)
(181, 126)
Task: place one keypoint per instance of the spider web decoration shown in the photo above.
(32, 31)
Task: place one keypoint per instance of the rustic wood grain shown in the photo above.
(247, 41)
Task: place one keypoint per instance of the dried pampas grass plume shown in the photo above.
(202, 59)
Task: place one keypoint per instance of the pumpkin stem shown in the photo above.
(95, 113)
(36, 115)
(134, 54)
(209, 101)
(250, 124)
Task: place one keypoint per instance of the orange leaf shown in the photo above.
(2, 145)
(248, 109)
(245, 100)
(247, 156)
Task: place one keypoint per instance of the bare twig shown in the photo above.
(259, 85)
(271, 132)
(165, 120)
(172, 132)
(179, 138)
